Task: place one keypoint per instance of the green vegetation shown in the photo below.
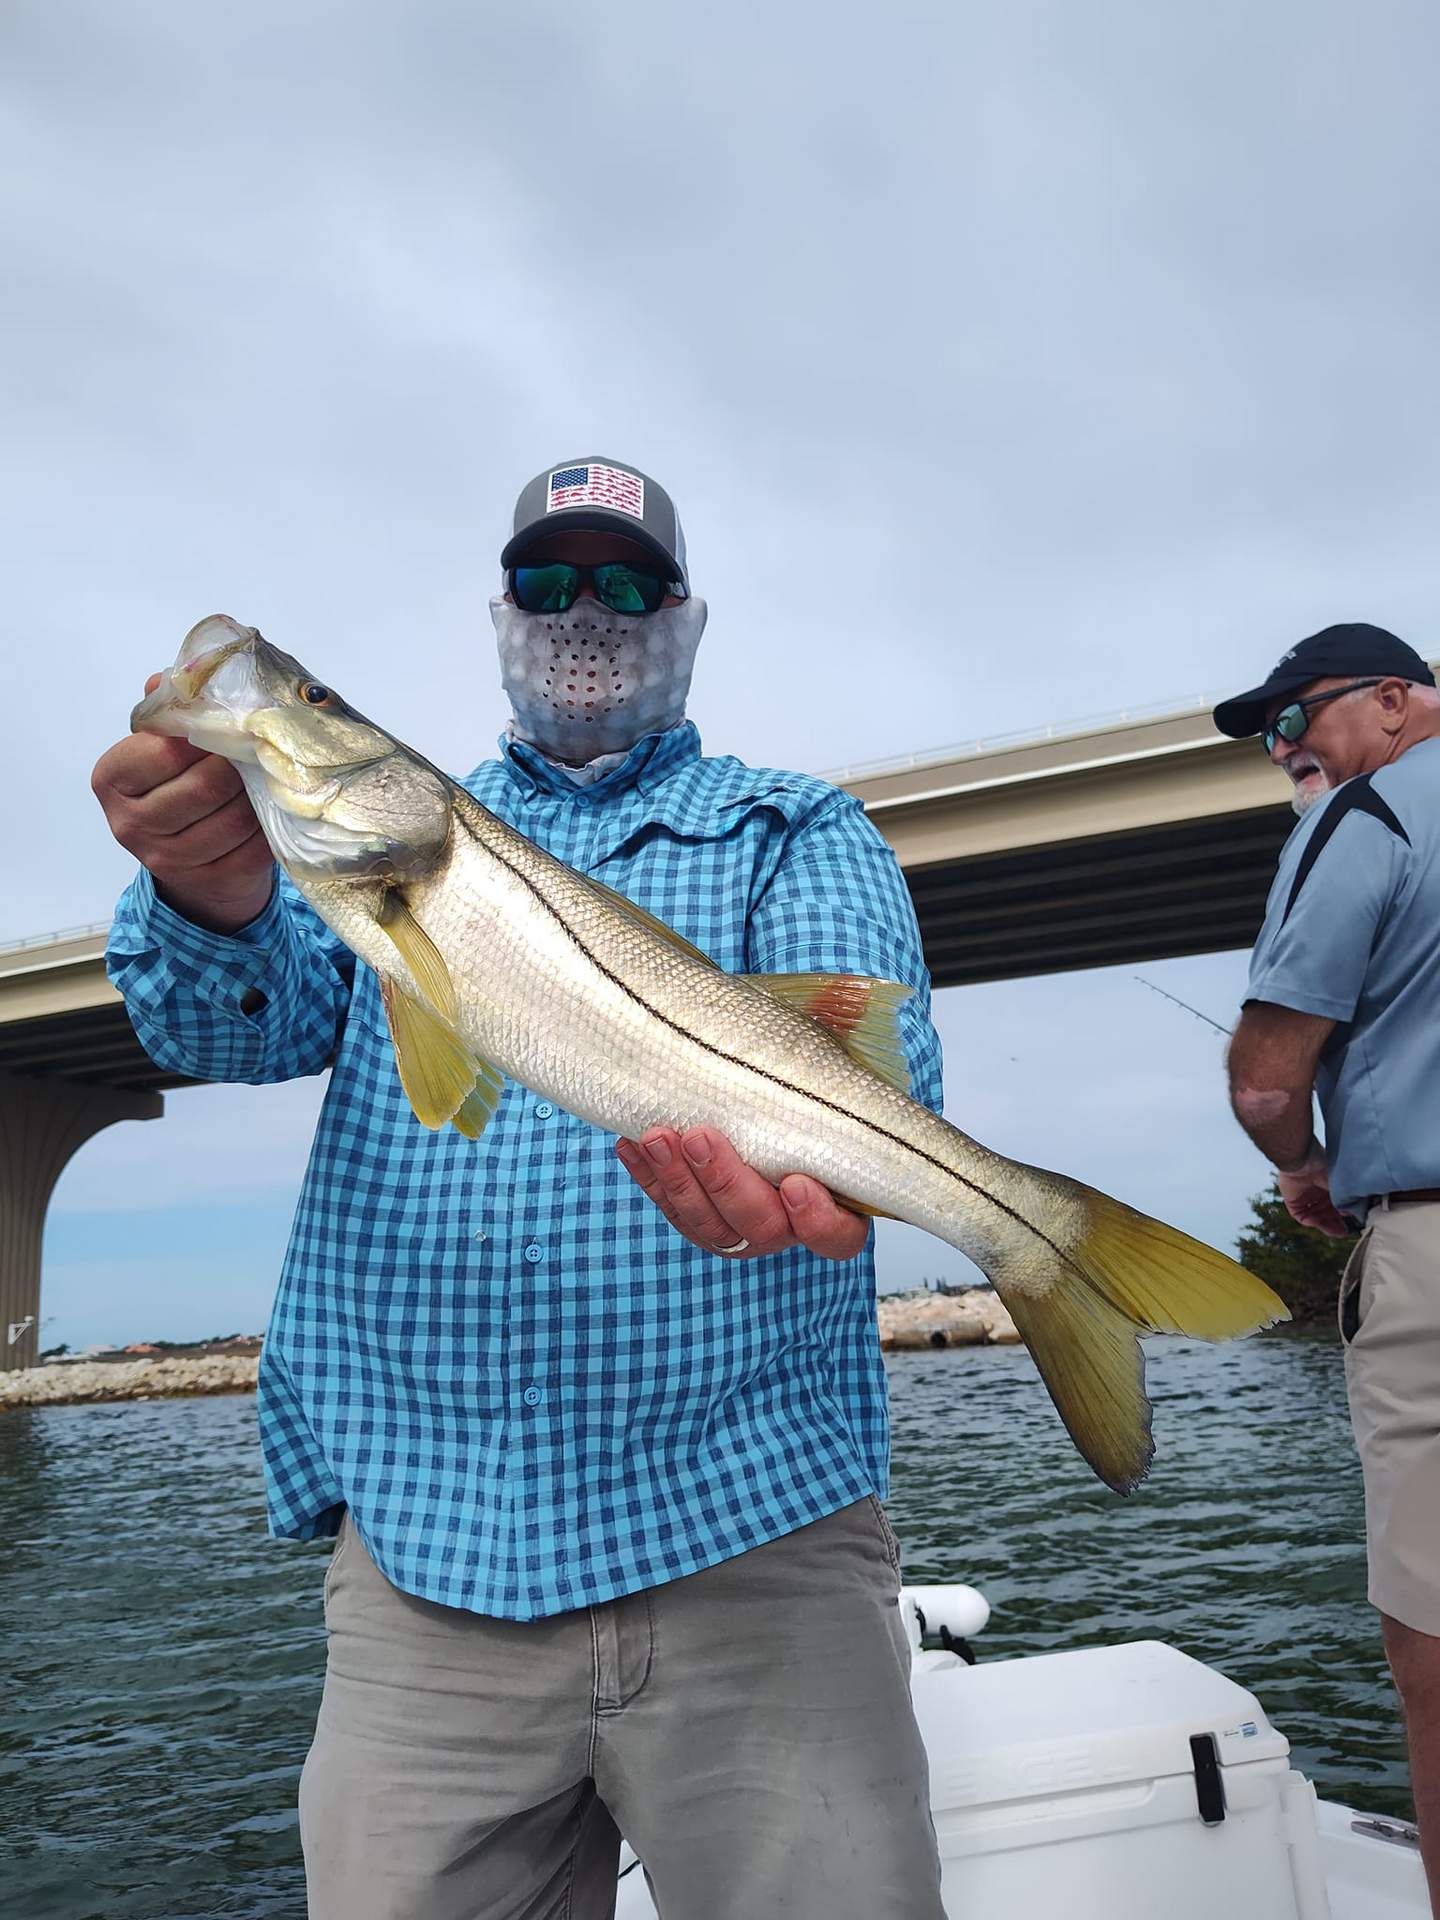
(1303, 1266)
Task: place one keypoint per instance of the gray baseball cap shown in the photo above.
(599, 496)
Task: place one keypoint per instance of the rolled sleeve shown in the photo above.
(837, 903)
(263, 1004)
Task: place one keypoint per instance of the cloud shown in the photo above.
(1008, 364)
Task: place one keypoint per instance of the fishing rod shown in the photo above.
(1185, 1004)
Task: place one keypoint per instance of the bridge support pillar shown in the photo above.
(42, 1122)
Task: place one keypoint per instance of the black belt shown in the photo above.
(1411, 1193)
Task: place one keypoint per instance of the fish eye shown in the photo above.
(312, 692)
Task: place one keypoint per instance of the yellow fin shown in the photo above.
(1123, 1275)
(1168, 1283)
(862, 1014)
(477, 1110)
(436, 1070)
(420, 955)
(646, 919)
(859, 1206)
(1090, 1358)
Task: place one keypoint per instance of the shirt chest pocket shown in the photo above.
(700, 886)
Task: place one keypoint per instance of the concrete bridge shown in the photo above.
(1136, 840)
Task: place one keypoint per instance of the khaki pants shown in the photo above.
(1390, 1317)
(748, 1729)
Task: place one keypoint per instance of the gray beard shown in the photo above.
(1301, 803)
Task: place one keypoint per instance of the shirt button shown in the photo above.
(533, 1253)
(480, 1235)
(544, 1110)
(532, 1396)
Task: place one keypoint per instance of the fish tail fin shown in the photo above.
(1092, 1363)
(1115, 1275)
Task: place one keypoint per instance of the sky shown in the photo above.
(1011, 363)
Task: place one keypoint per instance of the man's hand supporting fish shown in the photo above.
(497, 961)
(185, 816)
(706, 1191)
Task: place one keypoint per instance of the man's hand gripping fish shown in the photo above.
(497, 961)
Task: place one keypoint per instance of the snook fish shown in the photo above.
(497, 961)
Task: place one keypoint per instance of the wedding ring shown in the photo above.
(740, 1246)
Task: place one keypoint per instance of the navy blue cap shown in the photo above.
(1357, 648)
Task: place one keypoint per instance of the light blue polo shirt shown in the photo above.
(1352, 933)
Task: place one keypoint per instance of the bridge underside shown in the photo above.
(96, 1047)
(1155, 893)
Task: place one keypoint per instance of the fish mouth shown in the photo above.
(176, 705)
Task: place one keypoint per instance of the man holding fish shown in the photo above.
(611, 1549)
(599, 1483)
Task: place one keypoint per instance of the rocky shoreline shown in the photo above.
(912, 1322)
(78, 1382)
(909, 1322)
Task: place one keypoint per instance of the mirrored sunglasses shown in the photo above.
(553, 586)
(1292, 721)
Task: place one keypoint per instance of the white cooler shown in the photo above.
(1115, 1783)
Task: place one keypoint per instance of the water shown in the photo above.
(1245, 1547)
(163, 1660)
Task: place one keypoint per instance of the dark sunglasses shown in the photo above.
(1291, 722)
(553, 586)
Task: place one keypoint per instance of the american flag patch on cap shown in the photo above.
(594, 486)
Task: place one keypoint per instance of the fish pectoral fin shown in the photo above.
(437, 1071)
(642, 917)
(420, 954)
(861, 1013)
(477, 1110)
(441, 1077)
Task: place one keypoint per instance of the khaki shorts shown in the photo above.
(1390, 1319)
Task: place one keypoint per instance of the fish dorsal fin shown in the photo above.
(862, 1014)
(421, 956)
(477, 1110)
(437, 1071)
(646, 919)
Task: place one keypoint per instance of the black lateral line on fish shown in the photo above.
(802, 1093)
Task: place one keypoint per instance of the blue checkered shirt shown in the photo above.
(529, 1390)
